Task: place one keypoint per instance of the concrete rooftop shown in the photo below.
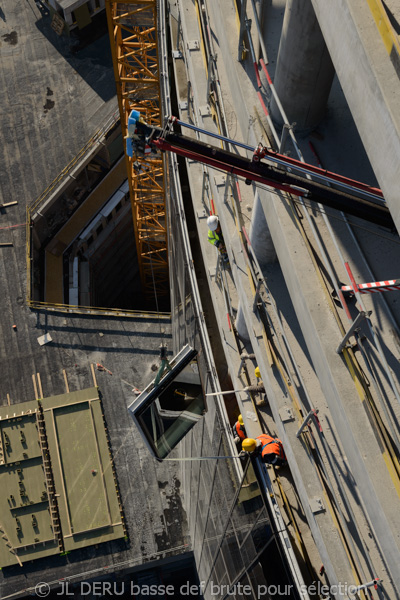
(52, 100)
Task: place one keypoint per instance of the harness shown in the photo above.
(279, 444)
(213, 237)
(240, 431)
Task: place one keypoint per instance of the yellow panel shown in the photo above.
(82, 16)
(385, 28)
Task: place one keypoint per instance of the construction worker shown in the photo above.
(269, 448)
(215, 236)
(239, 430)
(179, 394)
(139, 133)
(180, 399)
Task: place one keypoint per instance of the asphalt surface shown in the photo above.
(355, 461)
(52, 100)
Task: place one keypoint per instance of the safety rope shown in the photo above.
(199, 458)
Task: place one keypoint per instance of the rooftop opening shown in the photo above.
(82, 248)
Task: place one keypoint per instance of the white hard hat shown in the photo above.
(212, 223)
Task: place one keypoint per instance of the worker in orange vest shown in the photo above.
(239, 431)
(269, 448)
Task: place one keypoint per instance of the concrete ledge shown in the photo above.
(363, 453)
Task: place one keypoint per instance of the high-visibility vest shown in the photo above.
(214, 237)
(270, 445)
(239, 430)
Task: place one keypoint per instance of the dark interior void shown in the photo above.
(83, 244)
(114, 270)
(109, 275)
(267, 578)
(107, 271)
(177, 580)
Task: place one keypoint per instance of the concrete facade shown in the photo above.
(364, 486)
(304, 72)
(316, 35)
(371, 85)
(77, 13)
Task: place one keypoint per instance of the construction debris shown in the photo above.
(101, 368)
(5, 204)
(44, 339)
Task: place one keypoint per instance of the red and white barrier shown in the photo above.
(374, 287)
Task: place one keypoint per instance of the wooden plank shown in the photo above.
(40, 385)
(17, 557)
(5, 204)
(66, 381)
(8, 399)
(93, 375)
(35, 386)
(6, 244)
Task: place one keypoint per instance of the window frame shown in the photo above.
(151, 394)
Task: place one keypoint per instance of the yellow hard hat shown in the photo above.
(240, 419)
(249, 445)
(257, 373)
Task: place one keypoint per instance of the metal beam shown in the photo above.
(262, 172)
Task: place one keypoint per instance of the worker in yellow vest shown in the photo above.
(215, 236)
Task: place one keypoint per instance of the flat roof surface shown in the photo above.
(64, 503)
(71, 4)
(37, 143)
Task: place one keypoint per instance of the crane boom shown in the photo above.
(285, 174)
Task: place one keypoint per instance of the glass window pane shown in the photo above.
(261, 532)
(256, 538)
(166, 412)
(258, 581)
(243, 590)
(232, 555)
(220, 579)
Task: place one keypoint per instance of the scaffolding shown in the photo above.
(134, 30)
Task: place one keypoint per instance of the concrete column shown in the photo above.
(260, 10)
(259, 234)
(241, 326)
(304, 70)
(261, 241)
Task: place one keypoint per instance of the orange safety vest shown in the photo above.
(240, 431)
(270, 445)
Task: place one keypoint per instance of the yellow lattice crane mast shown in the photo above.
(132, 27)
